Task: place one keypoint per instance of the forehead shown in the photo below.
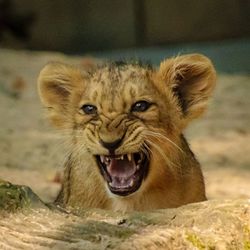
(114, 81)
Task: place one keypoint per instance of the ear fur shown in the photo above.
(191, 79)
(56, 82)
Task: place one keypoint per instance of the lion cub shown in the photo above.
(124, 123)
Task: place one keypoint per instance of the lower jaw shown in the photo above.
(124, 193)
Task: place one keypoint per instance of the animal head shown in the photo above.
(129, 117)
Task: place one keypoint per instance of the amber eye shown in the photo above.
(89, 109)
(140, 106)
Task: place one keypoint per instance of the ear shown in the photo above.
(56, 83)
(191, 78)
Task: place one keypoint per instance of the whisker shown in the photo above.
(146, 150)
(160, 136)
(166, 159)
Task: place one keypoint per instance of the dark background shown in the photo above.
(149, 29)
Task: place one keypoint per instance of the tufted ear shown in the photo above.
(56, 83)
(191, 79)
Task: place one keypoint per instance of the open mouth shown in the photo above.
(123, 173)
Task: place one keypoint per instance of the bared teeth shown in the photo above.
(129, 157)
(131, 183)
(141, 157)
(107, 159)
(102, 158)
(137, 167)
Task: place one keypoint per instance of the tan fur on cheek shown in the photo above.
(86, 185)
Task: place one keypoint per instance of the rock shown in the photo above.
(214, 224)
(15, 197)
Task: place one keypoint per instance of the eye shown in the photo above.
(140, 106)
(89, 109)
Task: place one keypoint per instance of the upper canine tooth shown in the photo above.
(102, 158)
(141, 155)
(129, 157)
(122, 156)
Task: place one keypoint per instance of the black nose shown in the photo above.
(111, 146)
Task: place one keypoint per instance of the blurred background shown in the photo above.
(81, 32)
(148, 29)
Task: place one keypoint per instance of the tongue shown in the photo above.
(121, 169)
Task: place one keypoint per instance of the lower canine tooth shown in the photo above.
(137, 167)
(131, 183)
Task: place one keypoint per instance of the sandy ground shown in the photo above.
(31, 152)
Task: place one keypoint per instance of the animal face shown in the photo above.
(114, 113)
(127, 117)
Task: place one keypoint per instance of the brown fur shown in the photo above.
(179, 90)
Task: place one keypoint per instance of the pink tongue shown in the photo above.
(121, 168)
